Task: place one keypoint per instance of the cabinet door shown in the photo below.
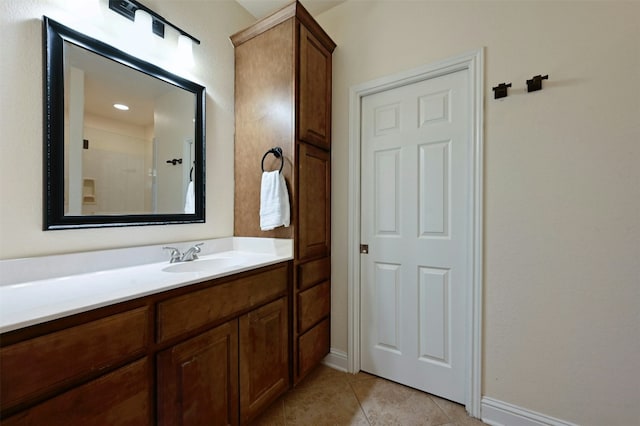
(264, 357)
(198, 379)
(314, 202)
(314, 111)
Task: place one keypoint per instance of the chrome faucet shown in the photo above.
(187, 256)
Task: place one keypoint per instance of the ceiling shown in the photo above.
(107, 82)
(262, 8)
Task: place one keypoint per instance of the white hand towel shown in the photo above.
(190, 200)
(274, 201)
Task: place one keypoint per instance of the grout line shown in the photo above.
(451, 420)
(362, 410)
(284, 412)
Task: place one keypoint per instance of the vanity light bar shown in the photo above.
(127, 8)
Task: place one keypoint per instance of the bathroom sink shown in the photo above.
(204, 265)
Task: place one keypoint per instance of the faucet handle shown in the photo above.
(195, 249)
(191, 253)
(175, 253)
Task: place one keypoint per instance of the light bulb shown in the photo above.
(143, 23)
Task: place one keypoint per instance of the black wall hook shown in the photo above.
(175, 161)
(500, 91)
(536, 82)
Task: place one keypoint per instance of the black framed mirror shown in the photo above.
(142, 164)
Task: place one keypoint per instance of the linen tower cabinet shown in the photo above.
(283, 99)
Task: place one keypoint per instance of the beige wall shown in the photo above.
(21, 116)
(561, 193)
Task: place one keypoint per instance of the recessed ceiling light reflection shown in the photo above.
(121, 107)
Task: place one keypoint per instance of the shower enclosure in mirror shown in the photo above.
(124, 139)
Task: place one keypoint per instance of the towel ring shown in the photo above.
(277, 152)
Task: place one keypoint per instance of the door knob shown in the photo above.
(364, 248)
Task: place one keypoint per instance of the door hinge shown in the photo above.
(364, 248)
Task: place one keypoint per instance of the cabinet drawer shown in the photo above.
(313, 305)
(199, 308)
(118, 398)
(313, 272)
(42, 364)
(312, 347)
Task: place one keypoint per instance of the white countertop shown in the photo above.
(25, 300)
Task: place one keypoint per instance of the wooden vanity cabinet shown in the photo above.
(283, 98)
(228, 374)
(213, 353)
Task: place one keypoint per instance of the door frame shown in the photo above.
(472, 61)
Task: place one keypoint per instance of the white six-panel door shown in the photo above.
(415, 218)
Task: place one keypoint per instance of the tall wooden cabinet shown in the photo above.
(283, 98)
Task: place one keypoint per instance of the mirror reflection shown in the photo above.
(124, 139)
(132, 134)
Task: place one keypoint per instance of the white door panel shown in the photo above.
(416, 149)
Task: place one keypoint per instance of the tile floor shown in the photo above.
(331, 397)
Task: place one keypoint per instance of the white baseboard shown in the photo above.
(499, 413)
(336, 359)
